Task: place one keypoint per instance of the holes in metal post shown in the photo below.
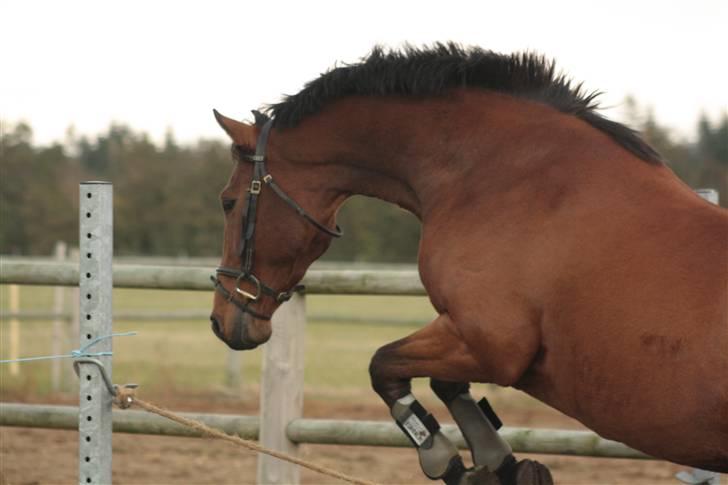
(88, 296)
(88, 196)
(88, 215)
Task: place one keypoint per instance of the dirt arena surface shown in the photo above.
(36, 456)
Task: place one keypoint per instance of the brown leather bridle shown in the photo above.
(260, 178)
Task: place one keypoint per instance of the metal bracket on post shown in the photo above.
(102, 370)
(95, 296)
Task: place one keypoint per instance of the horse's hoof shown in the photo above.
(531, 472)
(479, 476)
(525, 472)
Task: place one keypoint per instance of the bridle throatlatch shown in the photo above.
(260, 178)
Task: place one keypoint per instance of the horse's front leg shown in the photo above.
(478, 423)
(439, 352)
(392, 368)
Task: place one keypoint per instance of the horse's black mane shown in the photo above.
(433, 71)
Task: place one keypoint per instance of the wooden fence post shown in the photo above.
(59, 339)
(233, 377)
(281, 395)
(69, 380)
(14, 340)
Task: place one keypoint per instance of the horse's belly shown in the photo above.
(658, 393)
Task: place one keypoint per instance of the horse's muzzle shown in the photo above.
(238, 340)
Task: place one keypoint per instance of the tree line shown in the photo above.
(165, 194)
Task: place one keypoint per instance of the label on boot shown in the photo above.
(417, 431)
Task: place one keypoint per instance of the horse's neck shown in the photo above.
(470, 146)
(367, 146)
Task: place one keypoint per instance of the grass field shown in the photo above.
(177, 358)
(185, 355)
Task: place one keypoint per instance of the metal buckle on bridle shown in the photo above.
(246, 294)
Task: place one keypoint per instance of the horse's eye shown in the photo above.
(228, 204)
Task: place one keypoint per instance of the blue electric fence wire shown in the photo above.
(75, 354)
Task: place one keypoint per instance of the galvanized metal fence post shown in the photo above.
(711, 195)
(696, 475)
(95, 285)
(281, 395)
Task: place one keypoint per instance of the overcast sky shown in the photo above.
(158, 65)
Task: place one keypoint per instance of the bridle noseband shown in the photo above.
(260, 178)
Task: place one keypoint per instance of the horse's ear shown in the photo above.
(260, 118)
(241, 133)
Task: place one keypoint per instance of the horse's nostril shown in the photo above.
(216, 329)
(238, 341)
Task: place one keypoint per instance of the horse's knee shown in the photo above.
(378, 374)
(387, 384)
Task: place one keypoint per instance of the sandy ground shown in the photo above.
(35, 456)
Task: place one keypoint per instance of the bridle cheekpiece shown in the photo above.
(260, 178)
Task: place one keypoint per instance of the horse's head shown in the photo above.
(269, 238)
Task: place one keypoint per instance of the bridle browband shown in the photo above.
(260, 178)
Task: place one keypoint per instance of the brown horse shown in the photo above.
(562, 256)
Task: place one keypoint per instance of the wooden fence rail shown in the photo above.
(318, 431)
(320, 282)
(203, 315)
